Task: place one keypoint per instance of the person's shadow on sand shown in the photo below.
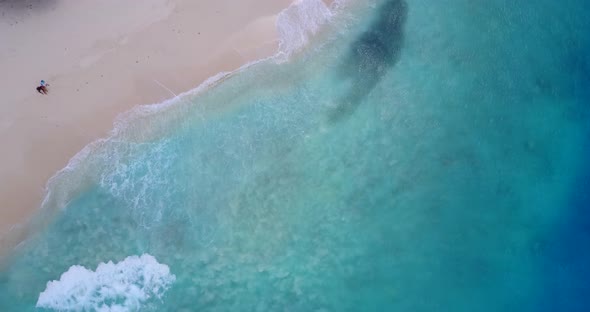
(42, 88)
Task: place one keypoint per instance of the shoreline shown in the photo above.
(79, 117)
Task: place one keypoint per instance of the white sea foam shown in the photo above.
(122, 286)
(297, 23)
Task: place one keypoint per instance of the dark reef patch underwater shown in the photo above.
(372, 55)
(418, 155)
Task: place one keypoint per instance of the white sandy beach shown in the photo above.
(101, 58)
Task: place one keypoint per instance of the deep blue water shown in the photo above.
(568, 251)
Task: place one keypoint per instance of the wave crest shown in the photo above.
(122, 286)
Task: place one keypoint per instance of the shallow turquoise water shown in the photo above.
(417, 156)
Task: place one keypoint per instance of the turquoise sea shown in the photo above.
(396, 155)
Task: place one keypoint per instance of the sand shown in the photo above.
(102, 58)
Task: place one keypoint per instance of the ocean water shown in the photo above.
(414, 156)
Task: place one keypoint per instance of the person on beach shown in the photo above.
(42, 88)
